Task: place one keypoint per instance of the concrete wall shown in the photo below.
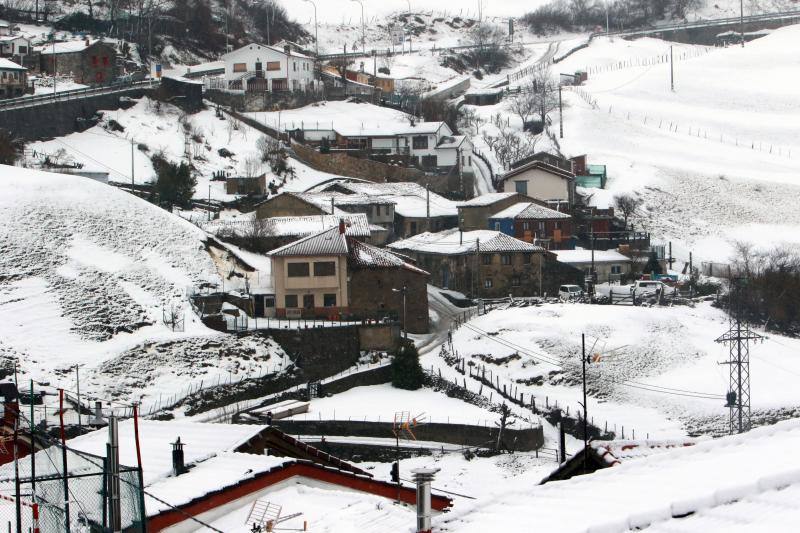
(61, 118)
(517, 439)
(383, 337)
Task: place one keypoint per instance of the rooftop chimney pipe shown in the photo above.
(423, 478)
(178, 466)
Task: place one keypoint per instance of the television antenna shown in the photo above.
(264, 516)
(403, 427)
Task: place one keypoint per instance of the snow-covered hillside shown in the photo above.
(717, 159)
(86, 273)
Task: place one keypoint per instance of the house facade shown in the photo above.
(246, 185)
(258, 67)
(481, 263)
(533, 222)
(13, 79)
(541, 181)
(15, 46)
(88, 62)
(610, 266)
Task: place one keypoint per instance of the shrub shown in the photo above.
(406, 371)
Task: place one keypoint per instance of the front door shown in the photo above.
(308, 302)
(259, 70)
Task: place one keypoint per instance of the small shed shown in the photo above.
(489, 96)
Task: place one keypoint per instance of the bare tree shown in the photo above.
(545, 94)
(525, 103)
(627, 204)
(511, 146)
(255, 233)
(470, 120)
(252, 166)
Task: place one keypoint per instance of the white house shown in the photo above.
(541, 181)
(280, 70)
(14, 45)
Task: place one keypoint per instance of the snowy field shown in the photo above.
(716, 160)
(86, 274)
(658, 372)
(166, 129)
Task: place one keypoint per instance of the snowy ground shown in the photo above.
(658, 372)
(728, 169)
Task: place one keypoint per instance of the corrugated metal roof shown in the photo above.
(530, 210)
(329, 242)
(366, 256)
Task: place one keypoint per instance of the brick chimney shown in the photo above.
(341, 226)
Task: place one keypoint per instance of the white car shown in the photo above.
(644, 287)
(569, 292)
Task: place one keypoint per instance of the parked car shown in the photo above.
(648, 288)
(569, 292)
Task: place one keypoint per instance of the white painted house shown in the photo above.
(269, 68)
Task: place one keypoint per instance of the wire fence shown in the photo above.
(635, 62)
(677, 127)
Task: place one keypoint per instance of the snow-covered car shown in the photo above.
(643, 287)
(569, 292)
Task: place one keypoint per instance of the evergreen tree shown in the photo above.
(406, 371)
(175, 183)
(652, 266)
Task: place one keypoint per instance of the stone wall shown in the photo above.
(371, 295)
(251, 102)
(460, 434)
(319, 352)
(344, 165)
(63, 117)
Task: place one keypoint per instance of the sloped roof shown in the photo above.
(746, 483)
(530, 210)
(388, 129)
(451, 141)
(67, 47)
(365, 256)
(585, 256)
(7, 64)
(541, 165)
(356, 225)
(487, 199)
(455, 242)
(323, 199)
(615, 452)
(411, 199)
(329, 242)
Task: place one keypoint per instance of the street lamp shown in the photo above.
(405, 326)
(316, 33)
(363, 31)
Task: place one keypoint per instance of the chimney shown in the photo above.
(423, 478)
(341, 226)
(178, 466)
(288, 49)
(98, 413)
(87, 41)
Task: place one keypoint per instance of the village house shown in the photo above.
(330, 275)
(484, 96)
(609, 265)
(485, 264)
(87, 61)
(13, 79)
(15, 46)
(246, 185)
(533, 222)
(541, 181)
(264, 68)
(416, 209)
(473, 214)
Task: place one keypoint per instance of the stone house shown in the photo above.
(474, 214)
(264, 68)
(13, 79)
(485, 264)
(246, 185)
(536, 223)
(330, 275)
(87, 61)
(541, 181)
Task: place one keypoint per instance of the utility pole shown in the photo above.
(316, 31)
(560, 114)
(133, 167)
(585, 409)
(78, 391)
(738, 339)
(112, 458)
(209, 203)
(741, 21)
(671, 72)
(363, 30)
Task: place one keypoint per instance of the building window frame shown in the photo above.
(298, 270)
(324, 268)
(505, 259)
(329, 300)
(290, 301)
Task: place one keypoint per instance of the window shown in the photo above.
(497, 226)
(526, 259)
(105, 61)
(616, 269)
(325, 268)
(516, 281)
(308, 301)
(294, 66)
(329, 300)
(23, 49)
(94, 61)
(521, 187)
(419, 142)
(297, 270)
(273, 65)
(526, 226)
(269, 302)
(413, 228)
(290, 300)
(541, 228)
(240, 67)
(556, 225)
(505, 259)
(429, 161)
(487, 259)
(487, 283)
(469, 161)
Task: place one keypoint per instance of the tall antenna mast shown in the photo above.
(738, 339)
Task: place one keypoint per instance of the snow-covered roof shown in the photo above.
(411, 199)
(273, 48)
(541, 165)
(615, 452)
(10, 38)
(585, 256)
(742, 483)
(453, 141)
(7, 64)
(67, 47)
(367, 256)
(455, 242)
(329, 242)
(356, 225)
(530, 210)
(323, 199)
(202, 441)
(487, 199)
(388, 129)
